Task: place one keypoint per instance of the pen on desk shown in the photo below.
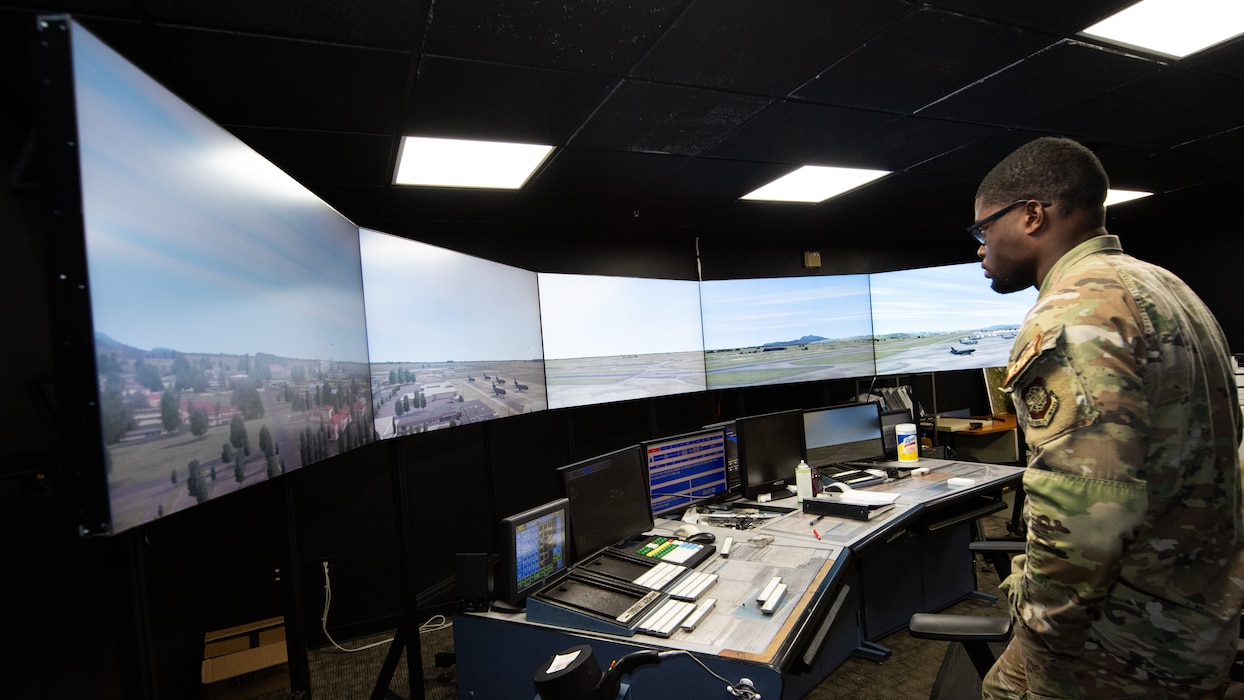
(816, 520)
(818, 535)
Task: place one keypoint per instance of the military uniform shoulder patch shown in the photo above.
(1041, 402)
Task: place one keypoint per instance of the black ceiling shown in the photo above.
(664, 112)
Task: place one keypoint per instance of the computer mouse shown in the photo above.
(691, 533)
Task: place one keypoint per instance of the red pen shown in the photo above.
(818, 535)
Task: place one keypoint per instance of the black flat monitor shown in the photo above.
(609, 501)
(534, 549)
(843, 433)
(890, 419)
(770, 446)
(686, 469)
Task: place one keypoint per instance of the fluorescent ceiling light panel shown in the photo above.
(814, 183)
(1174, 28)
(460, 163)
(1121, 196)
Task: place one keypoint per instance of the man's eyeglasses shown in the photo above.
(977, 229)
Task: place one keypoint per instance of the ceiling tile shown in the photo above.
(388, 24)
(1173, 106)
(1058, 77)
(239, 79)
(797, 132)
(784, 45)
(906, 143)
(599, 37)
(714, 178)
(455, 98)
(574, 170)
(921, 58)
(653, 118)
(1065, 17)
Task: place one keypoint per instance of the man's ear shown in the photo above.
(1036, 218)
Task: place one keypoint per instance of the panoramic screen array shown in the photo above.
(244, 329)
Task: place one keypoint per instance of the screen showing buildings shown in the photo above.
(609, 500)
(935, 319)
(534, 549)
(843, 433)
(770, 447)
(619, 338)
(226, 301)
(686, 469)
(453, 339)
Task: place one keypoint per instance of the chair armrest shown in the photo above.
(959, 628)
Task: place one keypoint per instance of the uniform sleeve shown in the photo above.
(1080, 399)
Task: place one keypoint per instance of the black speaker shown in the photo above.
(473, 581)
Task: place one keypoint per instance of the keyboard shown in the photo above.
(666, 618)
(848, 475)
(658, 576)
(692, 585)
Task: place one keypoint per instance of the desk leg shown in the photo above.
(872, 651)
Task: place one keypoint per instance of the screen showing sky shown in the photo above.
(194, 241)
(596, 316)
(752, 312)
(430, 304)
(944, 299)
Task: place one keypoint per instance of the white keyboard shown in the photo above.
(666, 618)
(658, 576)
(692, 585)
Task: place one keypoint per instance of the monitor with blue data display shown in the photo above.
(686, 469)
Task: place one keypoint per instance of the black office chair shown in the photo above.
(977, 640)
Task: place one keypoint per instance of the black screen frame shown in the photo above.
(599, 519)
(83, 458)
(821, 455)
(770, 447)
(508, 588)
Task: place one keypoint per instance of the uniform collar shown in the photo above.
(1106, 243)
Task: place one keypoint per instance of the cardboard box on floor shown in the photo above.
(245, 661)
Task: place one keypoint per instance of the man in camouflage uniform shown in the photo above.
(1133, 577)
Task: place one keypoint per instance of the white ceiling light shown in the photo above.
(1174, 28)
(1121, 196)
(460, 163)
(814, 183)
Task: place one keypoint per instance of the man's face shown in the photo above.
(1005, 252)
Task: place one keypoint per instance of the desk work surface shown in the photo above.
(912, 493)
(925, 489)
(736, 627)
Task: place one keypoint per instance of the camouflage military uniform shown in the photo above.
(1133, 578)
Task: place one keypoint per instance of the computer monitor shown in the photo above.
(770, 447)
(609, 500)
(889, 419)
(686, 469)
(734, 480)
(843, 433)
(534, 549)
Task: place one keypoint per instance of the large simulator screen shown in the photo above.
(619, 338)
(453, 339)
(788, 329)
(945, 318)
(227, 301)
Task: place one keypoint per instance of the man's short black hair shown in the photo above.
(1051, 168)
